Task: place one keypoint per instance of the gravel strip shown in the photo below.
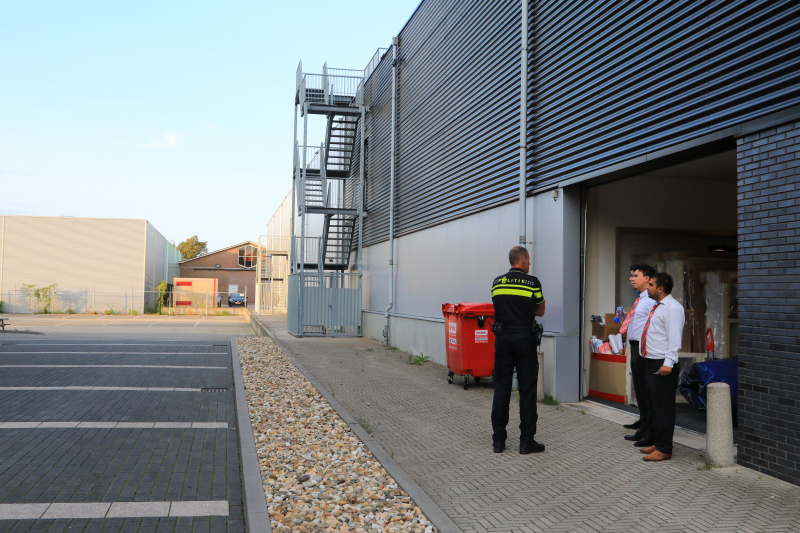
(317, 474)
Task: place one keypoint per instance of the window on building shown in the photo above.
(247, 256)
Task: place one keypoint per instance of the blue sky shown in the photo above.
(177, 112)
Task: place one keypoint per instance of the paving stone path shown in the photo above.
(588, 480)
(167, 476)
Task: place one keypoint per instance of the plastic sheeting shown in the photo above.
(714, 294)
(697, 377)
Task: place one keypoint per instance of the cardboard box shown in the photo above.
(611, 328)
(607, 377)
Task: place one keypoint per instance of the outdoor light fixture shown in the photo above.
(216, 266)
(555, 195)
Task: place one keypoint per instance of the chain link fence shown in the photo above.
(47, 300)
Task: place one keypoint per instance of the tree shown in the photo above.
(192, 247)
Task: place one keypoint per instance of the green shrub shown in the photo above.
(134, 312)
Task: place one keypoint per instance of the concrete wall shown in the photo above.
(457, 261)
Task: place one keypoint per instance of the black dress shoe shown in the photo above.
(498, 447)
(636, 436)
(531, 447)
(635, 425)
(645, 442)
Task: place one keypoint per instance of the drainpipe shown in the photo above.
(523, 128)
(395, 41)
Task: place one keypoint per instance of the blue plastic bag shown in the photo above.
(698, 375)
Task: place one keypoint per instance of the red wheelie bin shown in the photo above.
(470, 340)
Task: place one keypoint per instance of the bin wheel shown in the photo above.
(466, 382)
(477, 379)
(450, 377)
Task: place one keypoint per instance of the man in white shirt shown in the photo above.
(661, 342)
(632, 326)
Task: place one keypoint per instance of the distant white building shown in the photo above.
(97, 264)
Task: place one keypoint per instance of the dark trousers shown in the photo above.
(515, 349)
(638, 375)
(661, 391)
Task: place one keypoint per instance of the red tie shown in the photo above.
(628, 318)
(644, 331)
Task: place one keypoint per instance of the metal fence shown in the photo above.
(104, 302)
(324, 304)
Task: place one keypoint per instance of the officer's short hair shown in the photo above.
(646, 270)
(516, 255)
(662, 279)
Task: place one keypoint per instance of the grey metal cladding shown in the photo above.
(608, 81)
(457, 124)
(378, 122)
(616, 80)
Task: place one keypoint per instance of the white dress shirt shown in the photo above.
(665, 332)
(636, 325)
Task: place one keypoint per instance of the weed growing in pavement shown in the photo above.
(706, 466)
(134, 312)
(517, 396)
(110, 310)
(420, 359)
(581, 411)
(392, 452)
(549, 400)
(367, 425)
(391, 348)
(332, 393)
(369, 349)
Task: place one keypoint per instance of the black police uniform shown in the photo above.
(515, 296)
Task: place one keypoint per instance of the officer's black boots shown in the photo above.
(498, 447)
(530, 447)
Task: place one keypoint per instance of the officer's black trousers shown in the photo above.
(515, 349)
(662, 402)
(638, 375)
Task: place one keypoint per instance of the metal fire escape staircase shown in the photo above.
(325, 179)
(324, 289)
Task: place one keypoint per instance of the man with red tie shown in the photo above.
(632, 327)
(661, 342)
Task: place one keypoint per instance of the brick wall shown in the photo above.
(226, 259)
(769, 301)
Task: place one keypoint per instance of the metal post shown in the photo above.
(302, 203)
(361, 189)
(395, 41)
(292, 255)
(523, 127)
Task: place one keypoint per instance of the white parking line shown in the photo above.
(2, 352)
(116, 366)
(155, 389)
(100, 344)
(114, 425)
(35, 511)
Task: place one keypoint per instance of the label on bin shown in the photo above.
(451, 328)
(481, 336)
(452, 343)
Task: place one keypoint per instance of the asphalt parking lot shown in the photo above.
(119, 424)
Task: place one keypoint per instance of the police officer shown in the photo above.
(517, 299)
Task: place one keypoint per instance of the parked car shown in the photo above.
(237, 298)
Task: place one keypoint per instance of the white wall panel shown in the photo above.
(96, 263)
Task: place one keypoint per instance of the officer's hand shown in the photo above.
(665, 370)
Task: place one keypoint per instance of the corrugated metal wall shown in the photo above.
(95, 262)
(616, 80)
(609, 81)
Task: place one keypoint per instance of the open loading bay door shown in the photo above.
(681, 220)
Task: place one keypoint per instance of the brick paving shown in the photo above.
(588, 480)
(77, 465)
